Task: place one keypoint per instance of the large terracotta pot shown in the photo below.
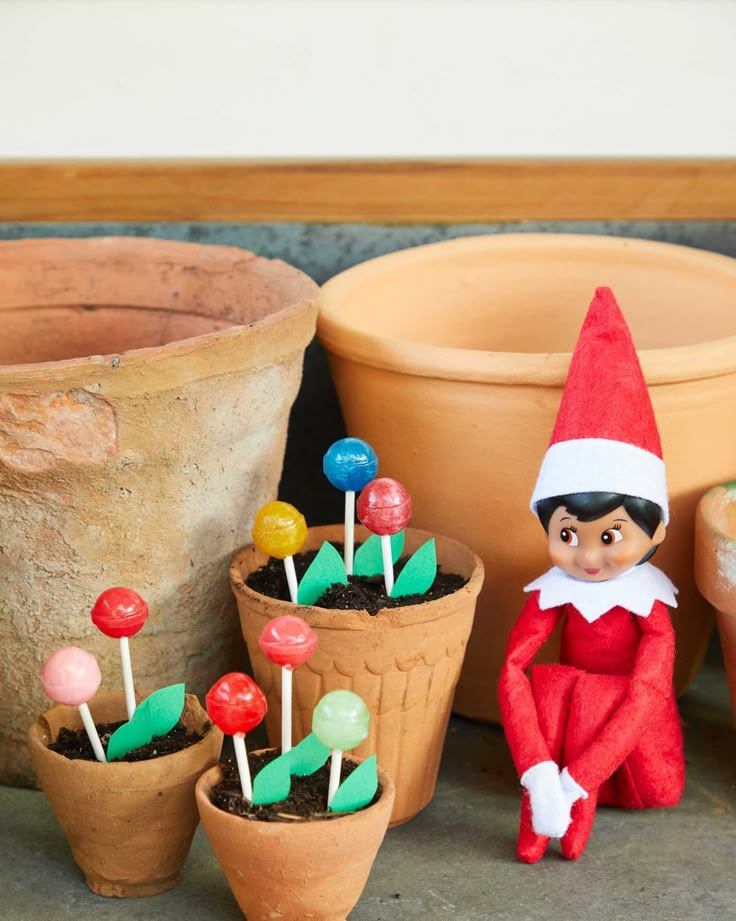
(450, 360)
(143, 464)
(404, 662)
(715, 567)
(129, 825)
(295, 871)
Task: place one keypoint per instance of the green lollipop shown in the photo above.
(341, 721)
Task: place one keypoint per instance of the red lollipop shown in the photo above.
(236, 705)
(120, 613)
(384, 506)
(289, 642)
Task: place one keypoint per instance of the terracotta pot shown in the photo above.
(129, 825)
(143, 464)
(715, 567)
(310, 871)
(404, 662)
(450, 360)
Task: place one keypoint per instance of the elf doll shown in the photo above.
(602, 726)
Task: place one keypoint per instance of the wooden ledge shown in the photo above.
(449, 191)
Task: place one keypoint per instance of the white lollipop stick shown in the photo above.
(89, 725)
(335, 768)
(242, 758)
(127, 676)
(291, 577)
(388, 563)
(349, 530)
(285, 709)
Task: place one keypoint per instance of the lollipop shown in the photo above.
(120, 613)
(341, 721)
(280, 531)
(236, 704)
(350, 464)
(384, 507)
(287, 641)
(71, 676)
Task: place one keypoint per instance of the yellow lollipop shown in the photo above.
(280, 530)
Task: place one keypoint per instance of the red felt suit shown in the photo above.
(602, 726)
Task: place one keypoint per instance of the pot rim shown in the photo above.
(708, 505)
(181, 347)
(674, 364)
(277, 829)
(123, 769)
(355, 619)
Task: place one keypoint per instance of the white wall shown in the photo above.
(367, 78)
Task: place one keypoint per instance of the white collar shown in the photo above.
(636, 590)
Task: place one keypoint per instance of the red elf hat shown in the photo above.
(605, 438)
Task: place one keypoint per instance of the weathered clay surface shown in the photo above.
(141, 468)
(129, 825)
(715, 567)
(305, 871)
(450, 360)
(404, 662)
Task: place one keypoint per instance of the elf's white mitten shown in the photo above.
(550, 809)
(571, 788)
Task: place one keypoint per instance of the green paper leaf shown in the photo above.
(368, 560)
(308, 756)
(273, 782)
(155, 716)
(325, 570)
(419, 573)
(357, 790)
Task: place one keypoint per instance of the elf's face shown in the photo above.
(598, 550)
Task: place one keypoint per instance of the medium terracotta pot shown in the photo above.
(450, 360)
(129, 825)
(404, 663)
(310, 871)
(715, 567)
(143, 464)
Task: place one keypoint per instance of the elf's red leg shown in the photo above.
(552, 686)
(581, 824)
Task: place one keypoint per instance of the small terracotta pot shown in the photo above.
(129, 825)
(715, 567)
(450, 360)
(404, 662)
(305, 871)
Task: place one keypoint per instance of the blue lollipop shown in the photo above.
(350, 464)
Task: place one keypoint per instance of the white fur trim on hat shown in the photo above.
(601, 465)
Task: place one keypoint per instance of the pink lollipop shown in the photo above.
(71, 676)
(287, 641)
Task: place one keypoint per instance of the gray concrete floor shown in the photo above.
(457, 858)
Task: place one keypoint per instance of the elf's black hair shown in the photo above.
(590, 506)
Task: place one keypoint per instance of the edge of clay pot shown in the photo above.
(667, 365)
(251, 558)
(213, 775)
(715, 549)
(301, 311)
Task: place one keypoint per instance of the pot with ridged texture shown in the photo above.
(404, 662)
(458, 352)
(145, 390)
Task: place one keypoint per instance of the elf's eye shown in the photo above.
(568, 536)
(611, 536)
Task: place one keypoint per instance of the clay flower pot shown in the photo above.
(310, 871)
(450, 360)
(129, 825)
(715, 567)
(404, 662)
(145, 390)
